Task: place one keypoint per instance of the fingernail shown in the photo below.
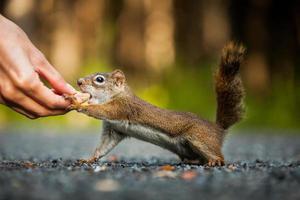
(70, 87)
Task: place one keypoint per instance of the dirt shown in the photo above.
(47, 165)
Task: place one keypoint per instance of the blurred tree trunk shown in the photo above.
(285, 42)
(216, 26)
(145, 35)
(77, 25)
(250, 26)
(296, 17)
(188, 30)
(66, 49)
(90, 21)
(2, 6)
(202, 28)
(130, 48)
(269, 29)
(284, 51)
(22, 13)
(45, 27)
(159, 34)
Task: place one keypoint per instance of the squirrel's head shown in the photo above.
(103, 86)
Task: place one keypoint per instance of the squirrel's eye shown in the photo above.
(99, 79)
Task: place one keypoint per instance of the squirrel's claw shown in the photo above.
(93, 160)
(69, 97)
(88, 161)
(72, 99)
(217, 162)
(72, 107)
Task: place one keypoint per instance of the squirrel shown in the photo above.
(193, 139)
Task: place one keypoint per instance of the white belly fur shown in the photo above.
(148, 134)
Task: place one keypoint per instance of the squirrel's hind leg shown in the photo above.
(212, 154)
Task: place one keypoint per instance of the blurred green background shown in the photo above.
(169, 50)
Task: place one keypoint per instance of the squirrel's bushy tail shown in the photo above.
(229, 87)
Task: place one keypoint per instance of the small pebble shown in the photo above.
(107, 185)
(188, 175)
(167, 168)
(165, 174)
(100, 168)
(112, 158)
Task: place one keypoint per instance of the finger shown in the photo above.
(47, 97)
(14, 107)
(22, 112)
(13, 98)
(54, 91)
(18, 110)
(34, 110)
(1, 100)
(47, 71)
(32, 86)
(35, 89)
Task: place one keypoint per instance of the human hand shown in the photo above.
(21, 66)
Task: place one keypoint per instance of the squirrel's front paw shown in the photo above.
(77, 100)
(73, 100)
(88, 161)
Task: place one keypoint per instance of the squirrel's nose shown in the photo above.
(80, 81)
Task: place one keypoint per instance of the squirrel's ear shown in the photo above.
(119, 77)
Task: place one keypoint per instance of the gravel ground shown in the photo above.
(39, 165)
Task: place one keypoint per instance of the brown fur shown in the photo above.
(229, 87)
(202, 138)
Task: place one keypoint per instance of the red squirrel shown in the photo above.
(193, 139)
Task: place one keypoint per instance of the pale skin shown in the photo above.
(22, 66)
